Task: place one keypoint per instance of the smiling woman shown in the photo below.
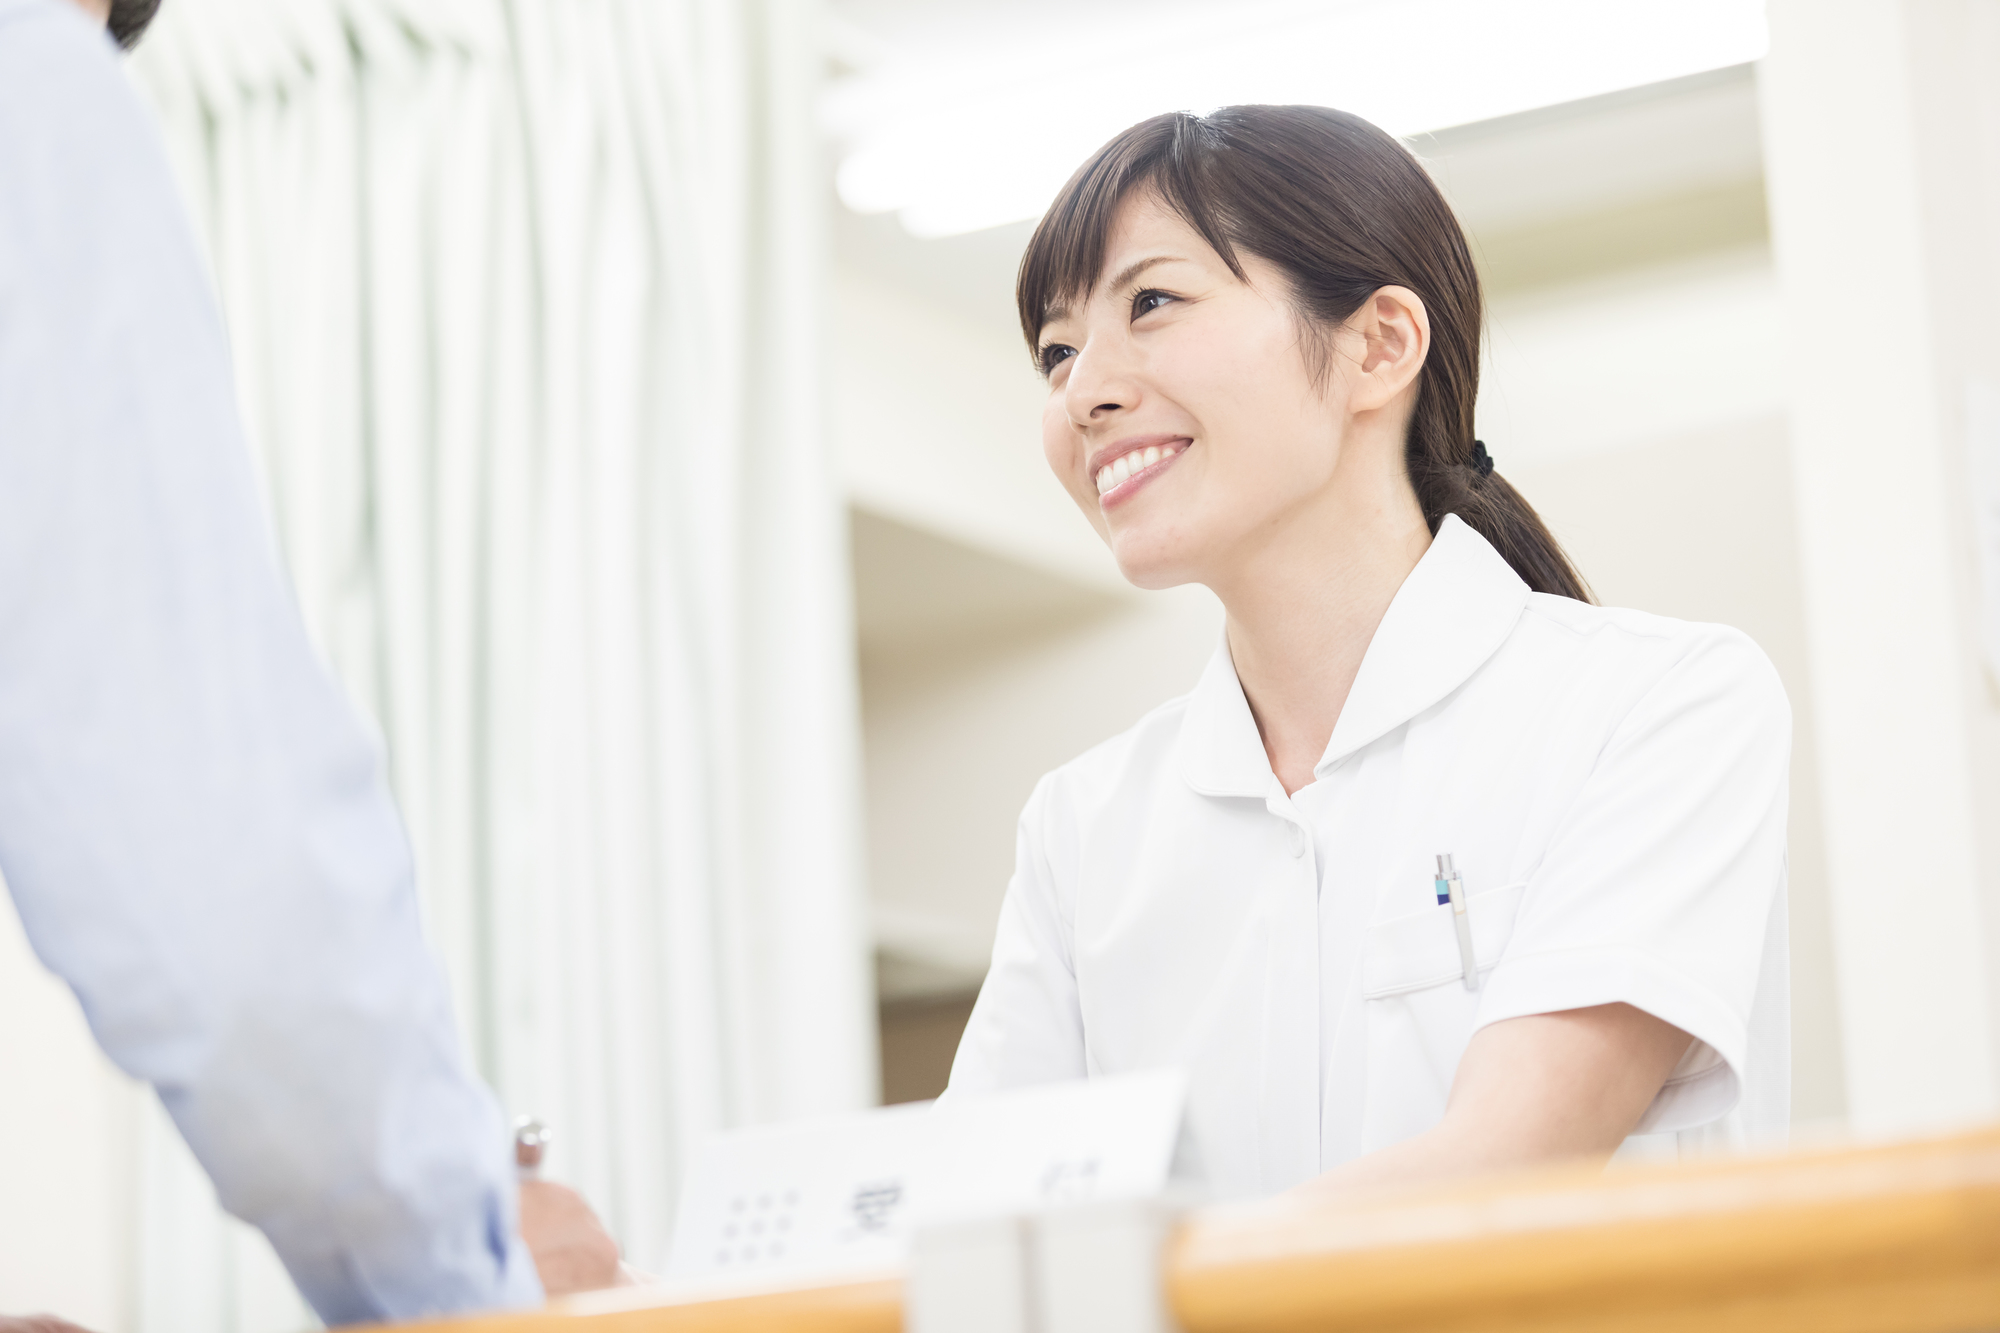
(1316, 266)
(1440, 868)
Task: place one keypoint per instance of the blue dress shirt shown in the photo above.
(193, 823)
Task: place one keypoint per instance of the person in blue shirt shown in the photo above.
(194, 824)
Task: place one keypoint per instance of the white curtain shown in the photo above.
(524, 296)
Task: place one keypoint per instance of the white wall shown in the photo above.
(1644, 355)
(1882, 133)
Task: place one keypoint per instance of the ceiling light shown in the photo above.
(957, 143)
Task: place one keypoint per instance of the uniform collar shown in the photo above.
(1452, 613)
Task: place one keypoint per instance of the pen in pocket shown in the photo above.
(1450, 889)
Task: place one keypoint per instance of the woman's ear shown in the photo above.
(1394, 332)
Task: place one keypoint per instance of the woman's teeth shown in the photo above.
(1123, 466)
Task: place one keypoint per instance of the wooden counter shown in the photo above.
(1903, 1238)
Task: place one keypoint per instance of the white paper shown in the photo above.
(842, 1195)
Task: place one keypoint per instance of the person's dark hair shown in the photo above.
(129, 19)
(1342, 209)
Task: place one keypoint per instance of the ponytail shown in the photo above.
(1485, 502)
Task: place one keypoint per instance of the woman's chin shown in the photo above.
(1150, 565)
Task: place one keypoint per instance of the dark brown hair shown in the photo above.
(129, 19)
(1342, 209)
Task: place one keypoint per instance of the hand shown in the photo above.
(36, 1323)
(572, 1250)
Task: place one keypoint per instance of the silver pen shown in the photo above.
(1450, 889)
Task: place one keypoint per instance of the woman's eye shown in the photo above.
(1054, 355)
(1145, 303)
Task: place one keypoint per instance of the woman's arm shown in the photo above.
(1027, 1025)
(1532, 1090)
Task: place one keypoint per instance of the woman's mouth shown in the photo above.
(1122, 477)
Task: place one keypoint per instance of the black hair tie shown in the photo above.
(1482, 462)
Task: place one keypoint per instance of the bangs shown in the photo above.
(1171, 155)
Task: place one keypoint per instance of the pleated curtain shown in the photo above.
(524, 299)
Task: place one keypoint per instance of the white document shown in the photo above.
(828, 1196)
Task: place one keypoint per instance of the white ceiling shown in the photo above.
(964, 114)
(1603, 153)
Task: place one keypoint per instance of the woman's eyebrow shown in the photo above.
(1132, 271)
(1060, 311)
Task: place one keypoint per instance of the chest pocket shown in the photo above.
(1420, 949)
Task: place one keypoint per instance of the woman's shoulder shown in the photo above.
(1620, 626)
(1647, 653)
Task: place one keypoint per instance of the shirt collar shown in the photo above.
(1452, 613)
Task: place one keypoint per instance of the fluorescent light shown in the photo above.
(954, 144)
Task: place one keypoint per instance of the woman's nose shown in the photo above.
(1099, 385)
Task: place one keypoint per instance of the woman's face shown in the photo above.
(1183, 416)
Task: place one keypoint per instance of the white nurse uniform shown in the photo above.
(1612, 786)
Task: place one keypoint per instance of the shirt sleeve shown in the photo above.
(1666, 874)
(193, 824)
(1027, 1026)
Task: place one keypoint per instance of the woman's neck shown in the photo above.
(1304, 604)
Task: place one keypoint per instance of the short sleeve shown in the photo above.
(1662, 881)
(1027, 1026)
